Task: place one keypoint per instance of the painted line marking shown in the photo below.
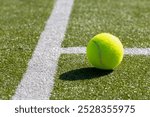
(37, 82)
(128, 51)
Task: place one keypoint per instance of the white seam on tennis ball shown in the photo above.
(37, 82)
(99, 53)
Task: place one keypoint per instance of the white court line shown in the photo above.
(38, 81)
(128, 51)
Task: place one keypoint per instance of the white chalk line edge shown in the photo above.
(127, 51)
(38, 80)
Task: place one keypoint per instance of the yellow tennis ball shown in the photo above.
(105, 51)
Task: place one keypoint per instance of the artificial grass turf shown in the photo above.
(77, 79)
(21, 23)
(127, 19)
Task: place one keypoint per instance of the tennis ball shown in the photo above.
(105, 51)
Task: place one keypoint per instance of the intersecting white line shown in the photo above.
(127, 51)
(37, 82)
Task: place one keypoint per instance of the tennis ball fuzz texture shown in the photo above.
(105, 51)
